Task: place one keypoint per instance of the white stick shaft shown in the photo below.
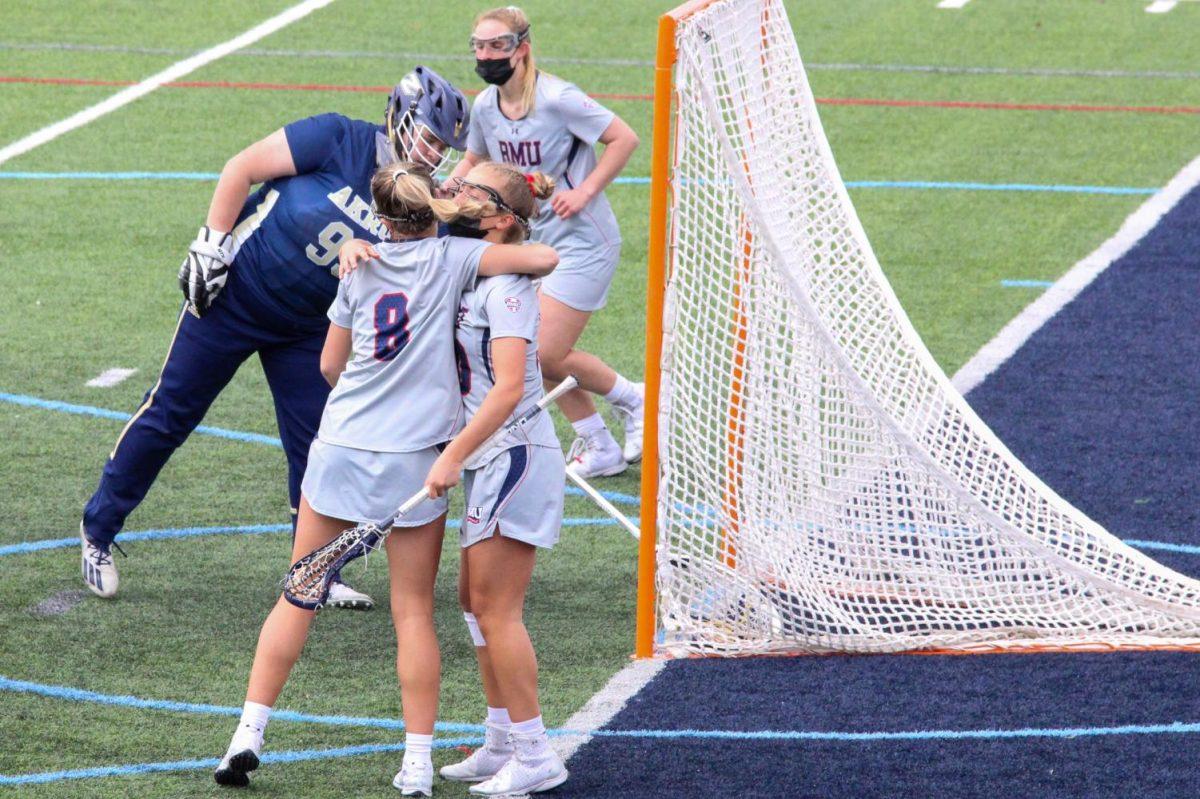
(604, 504)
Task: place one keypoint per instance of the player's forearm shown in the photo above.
(614, 158)
(497, 407)
(233, 188)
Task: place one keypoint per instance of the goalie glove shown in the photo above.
(206, 268)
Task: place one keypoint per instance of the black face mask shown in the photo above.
(466, 228)
(496, 71)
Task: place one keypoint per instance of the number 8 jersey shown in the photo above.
(400, 390)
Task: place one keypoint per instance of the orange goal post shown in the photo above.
(811, 480)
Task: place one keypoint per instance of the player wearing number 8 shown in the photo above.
(257, 280)
(389, 353)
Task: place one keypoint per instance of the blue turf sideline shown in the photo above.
(74, 694)
(219, 432)
(638, 180)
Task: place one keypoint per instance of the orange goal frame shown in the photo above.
(656, 281)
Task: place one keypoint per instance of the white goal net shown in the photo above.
(823, 486)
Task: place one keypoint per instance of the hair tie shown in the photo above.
(531, 180)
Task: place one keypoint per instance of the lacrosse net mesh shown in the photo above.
(823, 486)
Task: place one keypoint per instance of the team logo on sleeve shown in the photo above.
(513, 304)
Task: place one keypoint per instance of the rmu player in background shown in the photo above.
(540, 123)
(257, 280)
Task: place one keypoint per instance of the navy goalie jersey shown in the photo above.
(289, 232)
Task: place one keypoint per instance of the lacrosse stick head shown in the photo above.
(307, 582)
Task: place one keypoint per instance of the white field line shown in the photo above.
(110, 377)
(173, 72)
(608, 701)
(952, 3)
(1025, 324)
(1161, 6)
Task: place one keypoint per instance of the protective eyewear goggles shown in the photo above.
(484, 194)
(498, 44)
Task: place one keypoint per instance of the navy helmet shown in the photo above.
(427, 118)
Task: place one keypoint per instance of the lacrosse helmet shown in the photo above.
(426, 119)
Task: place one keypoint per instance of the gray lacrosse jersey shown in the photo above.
(505, 306)
(399, 392)
(558, 139)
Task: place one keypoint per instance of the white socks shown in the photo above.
(533, 732)
(624, 394)
(590, 426)
(496, 731)
(251, 725)
(417, 748)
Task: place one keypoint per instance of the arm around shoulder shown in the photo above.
(535, 260)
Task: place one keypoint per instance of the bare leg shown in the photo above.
(413, 556)
(286, 628)
(487, 674)
(499, 572)
(561, 327)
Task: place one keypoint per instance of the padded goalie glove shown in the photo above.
(206, 268)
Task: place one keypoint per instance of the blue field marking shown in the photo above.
(295, 756)
(93, 697)
(1027, 284)
(105, 413)
(640, 180)
(25, 547)
(972, 186)
(219, 432)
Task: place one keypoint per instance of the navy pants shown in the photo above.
(203, 357)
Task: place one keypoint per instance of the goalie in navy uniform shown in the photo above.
(257, 280)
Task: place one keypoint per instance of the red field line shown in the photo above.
(860, 101)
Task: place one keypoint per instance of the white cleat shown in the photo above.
(534, 767)
(596, 456)
(344, 597)
(634, 420)
(485, 761)
(415, 778)
(99, 571)
(240, 759)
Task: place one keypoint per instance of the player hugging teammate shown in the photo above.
(396, 402)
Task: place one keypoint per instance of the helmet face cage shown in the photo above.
(416, 142)
(427, 120)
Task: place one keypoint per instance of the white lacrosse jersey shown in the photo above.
(505, 306)
(400, 392)
(558, 139)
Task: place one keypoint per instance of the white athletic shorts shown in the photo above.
(582, 277)
(361, 485)
(521, 490)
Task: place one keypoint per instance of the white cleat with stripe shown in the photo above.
(99, 571)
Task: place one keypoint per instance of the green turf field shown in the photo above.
(87, 282)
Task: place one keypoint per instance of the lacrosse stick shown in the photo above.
(603, 503)
(307, 582)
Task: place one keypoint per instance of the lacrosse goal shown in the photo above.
(813, 482)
